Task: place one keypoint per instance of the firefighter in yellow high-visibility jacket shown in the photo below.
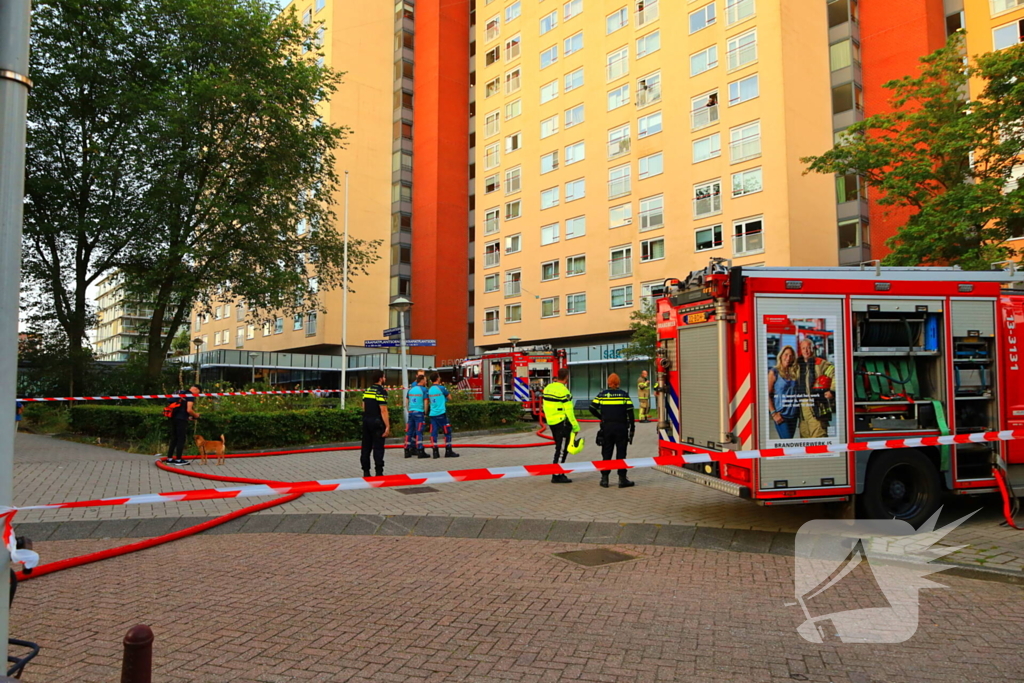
(560, 415)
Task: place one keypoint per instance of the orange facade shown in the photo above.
(440, 232)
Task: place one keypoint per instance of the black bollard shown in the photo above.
(137, 666)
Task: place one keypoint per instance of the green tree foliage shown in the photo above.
(947, 158)
(643, 340)
(179, 141)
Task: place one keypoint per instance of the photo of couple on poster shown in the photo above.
(801, 379)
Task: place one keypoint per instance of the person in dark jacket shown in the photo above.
(614, 408)
(376, 425)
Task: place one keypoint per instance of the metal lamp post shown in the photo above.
(252, 364)
(402, 305)
(515, 340)
(198, 341)
(344, 307)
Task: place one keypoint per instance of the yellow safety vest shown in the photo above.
(558, 405)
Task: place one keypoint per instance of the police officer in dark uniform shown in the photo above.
(614, 409)
(376, 424)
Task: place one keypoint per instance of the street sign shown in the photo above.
(381, 343)
(421, 342)
(392, 330)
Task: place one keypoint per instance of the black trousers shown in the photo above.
(373, 442)
(616, 439)
(179, 430)
(562, 432)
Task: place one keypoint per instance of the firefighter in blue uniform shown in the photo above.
(614, 408)
(376, 424)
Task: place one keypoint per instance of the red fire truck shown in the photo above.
(518, 374)
(775, 357)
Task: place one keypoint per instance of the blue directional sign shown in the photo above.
(381, 343)
(421, 342)
(392, 330)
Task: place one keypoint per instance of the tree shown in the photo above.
(643, 341)
(179, 141)
(949, 159)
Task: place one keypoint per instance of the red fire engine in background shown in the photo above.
(510, 374)
(774, 357)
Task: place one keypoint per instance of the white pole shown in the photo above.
(405, 371)
(14, 85)
(344, 306)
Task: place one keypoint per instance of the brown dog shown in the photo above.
(211, 447)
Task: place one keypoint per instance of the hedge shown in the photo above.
(252, 430)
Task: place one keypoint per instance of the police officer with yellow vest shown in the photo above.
(561, 417)
(376, 424)
(614, 408)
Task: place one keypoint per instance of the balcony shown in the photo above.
(647, 14)
(619, 188)
(620, 267)
(741, 56)
(747, 148)
(491, 259)
(513, 288)
(1000, 6)
(703, 117)
(617, 148)
(648, 94)
(707, 206)
(310, 326)
(652, 219)
(738, 10)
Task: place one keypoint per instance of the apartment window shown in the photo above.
(513, 282)
(648, 125)
(512, 81)
(647, 300)
(513, 11)
(492, 254)
(620, 262)
(575, 189)
(549, 270)
(741, 50)
(311, 324)
(702, 18)
(747, 236)
(852, 233)
(738, 10)
(619, 183)
(492, 124)
(841, 11)
(646, 12)
(549, 162)
(492, 55)
(307, 17)
(575, 227)
(619, 97)
(652, 250)
(549, 307)
(575, 152)
(616, 20)
(513, 313)
(620, 215)
(573, 80)
(574, 116)
(707, 199)
(548, 91)
(512, 48)
(571, 9)
(617, 64)
(513, 142)
(704, 110)
(847, 188)
(401, 192)
(218, 312)
(707, 148)
(1008, 35)
(549, 234)
(492, 28)
(575, 265)
(548, 127)
(491, 184)
(491, 283)
(846, 97)
(648, 89)
(216, 338)
(250, 331)
(513, 178)
(266, 329)
(745, 142)
(708, 238)
(645, 45)
(320, 4)
(297, 322)
(704, 60)
(575, 303)
(491, 220)
(618, 141)
(513, 244)
(573, 43)
(549, 198)
(513, 109)
(549, 57)
(843, 54)
(622, 297)
(491, 156)
(652, 213)
(746, 182)
(513, 210)
(548, 22)
(492, 87)
(651, 166)
(491, 321)
(301, 227)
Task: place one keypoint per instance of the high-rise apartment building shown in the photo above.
(122, 321)
(617, 146)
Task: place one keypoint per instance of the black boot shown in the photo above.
(366, 473)
(420, 453)
(409, 451)
(380, 473)
(437, 452)
(604, 479)
(560, 479)
(623, 482)
(449, 453)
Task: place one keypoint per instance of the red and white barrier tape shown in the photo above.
(28, 558)
(223, 393)
(490, 473)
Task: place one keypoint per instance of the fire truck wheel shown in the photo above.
(903, 485)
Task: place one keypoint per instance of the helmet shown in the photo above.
(575, 443)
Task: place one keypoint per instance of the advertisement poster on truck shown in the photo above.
(801, 387)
